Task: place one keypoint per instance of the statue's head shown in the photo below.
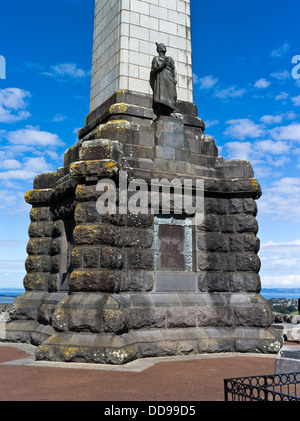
(161, 47)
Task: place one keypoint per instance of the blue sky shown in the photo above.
(243, 87)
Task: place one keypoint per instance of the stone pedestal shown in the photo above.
(97, 287)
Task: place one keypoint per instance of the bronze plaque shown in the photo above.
(171, 239)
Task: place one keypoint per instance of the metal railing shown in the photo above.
(273, 387)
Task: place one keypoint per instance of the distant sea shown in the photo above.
(268, 293)
(7, 295)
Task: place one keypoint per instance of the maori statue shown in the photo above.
(163, 81)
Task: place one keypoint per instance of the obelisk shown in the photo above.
(125, 34)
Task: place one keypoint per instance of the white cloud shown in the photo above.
(271, 147)
(14, 200)
(281, 200)
(280, 281)
(12, 105)
(59, 118)
(27, 170)
(66, 70)
(272, 244)
(207, 82)
(291, 132)
(260, 152)
(210, 123)
(281, 75)
(33, 136)
(281, 96)
(262, 84)
(271, 119)
(282, 258)
(195, 79)
(296, 100)
(280, 51)
(290, 115)
(10, 164)
(243, 128)
(238, 150)
(231, 92)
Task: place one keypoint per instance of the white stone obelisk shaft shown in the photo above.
(125, 36)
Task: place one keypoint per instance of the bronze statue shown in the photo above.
(163, 81)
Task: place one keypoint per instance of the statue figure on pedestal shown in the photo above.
(163, 81)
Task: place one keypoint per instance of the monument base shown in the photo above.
(111, 288)
(121, 349)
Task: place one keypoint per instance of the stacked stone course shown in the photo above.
(92, 291)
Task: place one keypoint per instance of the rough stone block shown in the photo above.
(40, 229)
(85, 320)
(76, 257)
(252, 282)
(211, 223)
(237, 282)
(228, 262)
(45, 312)
(92, 281)
(111, 257)
(227, 223)
(246, 223)
(115, 320)
(40, 214)
(258, 316)
(140, 259)
(208, 261)
(158, 349)
(250, 206)
(247, 262)
(251, 243)
(94, 234)
(60, 319)
(133, 281)
(216, 205)
(202, 282)
(236, 206)
(182, 317)
(39, 196)
(236, 243)
(91, 257)
(218, 282)
(37, 281)
(206, 346)
(38, 246)
(41, 263)
(217, 242)
(86, 193)
(151, 318)
(215, 316)
(129, 237)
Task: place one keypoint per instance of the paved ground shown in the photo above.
(185, 379)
